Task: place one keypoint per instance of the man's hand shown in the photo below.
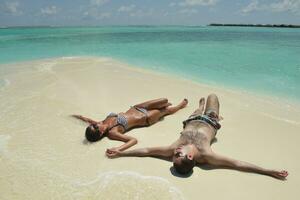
(165, 151)
(222, 161)
(279, 174)
(113, 153)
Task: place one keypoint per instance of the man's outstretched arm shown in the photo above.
(222, 161)
(165, 151)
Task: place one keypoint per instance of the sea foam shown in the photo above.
(47, 66)
(127, 185)
(4, 83)
(281, 119)
(3, 143)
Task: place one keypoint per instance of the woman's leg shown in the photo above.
(154, 104)
(156, 115)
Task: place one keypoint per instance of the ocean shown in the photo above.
(259, 60)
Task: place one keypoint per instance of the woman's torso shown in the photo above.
(125, 121)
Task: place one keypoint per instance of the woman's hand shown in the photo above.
(85, 119)
(113, 153)
(77, 116)
(279, 174)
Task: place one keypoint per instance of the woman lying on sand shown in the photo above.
(115, 125)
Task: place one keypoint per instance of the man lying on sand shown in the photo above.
(194, 145)
(115, 125)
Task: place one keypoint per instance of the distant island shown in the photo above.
(260, 25)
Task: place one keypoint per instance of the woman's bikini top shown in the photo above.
(122, 120)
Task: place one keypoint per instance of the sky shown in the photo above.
(147, 12)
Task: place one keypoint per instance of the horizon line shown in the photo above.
(148, 25)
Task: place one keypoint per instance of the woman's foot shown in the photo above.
(163, 106)
(183, 103)
(170, 110)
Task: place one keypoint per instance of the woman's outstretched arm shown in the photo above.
(128, 141)
(222, 161)
(85, 119)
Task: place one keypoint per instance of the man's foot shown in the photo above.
(183, 103)
(201, 102)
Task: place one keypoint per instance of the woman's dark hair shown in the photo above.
(92, 135)
(185, 166)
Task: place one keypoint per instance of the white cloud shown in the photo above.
(104, 15)
(142, 13)
(94, 13)
(127, 8)
(12, 8)
(138, 13)
(188, 11)
(198, 3)
(253, 6)
(93, 10)
(172, 4)
(98, 2)
(51, 10)
(286, 6)
(279, 6)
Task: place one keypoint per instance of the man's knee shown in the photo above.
(212, 95)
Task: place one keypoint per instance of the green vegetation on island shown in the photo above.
(260, 25)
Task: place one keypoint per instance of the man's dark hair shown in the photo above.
(185, 166)
(91, 134)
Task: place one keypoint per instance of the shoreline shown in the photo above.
(290, 101)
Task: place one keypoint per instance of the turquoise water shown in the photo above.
(261, 60)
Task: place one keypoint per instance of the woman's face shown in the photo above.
(100, 128)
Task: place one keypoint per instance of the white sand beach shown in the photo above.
(43, 153)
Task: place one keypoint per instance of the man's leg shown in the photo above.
(199, 110)
(212, 107)
(154, 104)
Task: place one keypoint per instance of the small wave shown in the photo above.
(281, 119)
(68, 57)
(3, 143)
(4, 83)
(47, 67)
(129, 185)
